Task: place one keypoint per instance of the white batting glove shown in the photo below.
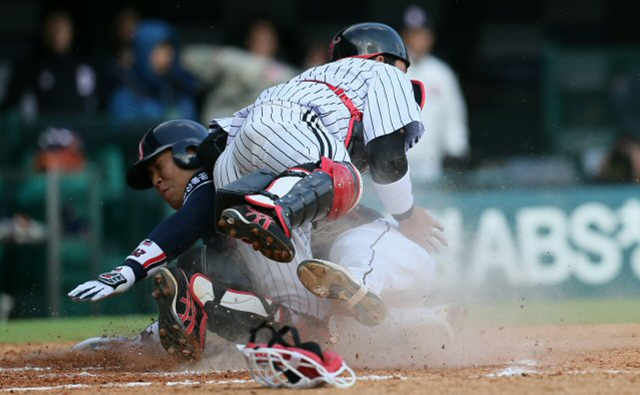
(114, 282)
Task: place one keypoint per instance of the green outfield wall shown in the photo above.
(556, 242)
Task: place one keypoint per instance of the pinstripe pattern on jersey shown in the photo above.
(279, 137)
(299, 122)
(381, 92)
(279, 281)
(373, 252)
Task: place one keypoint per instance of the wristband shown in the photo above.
(403, 216)
(147, 256)
(396, 197)
(137, 269)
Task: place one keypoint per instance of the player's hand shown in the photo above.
(114, 282)
(424, 229)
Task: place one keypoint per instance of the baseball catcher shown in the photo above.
(294, 157)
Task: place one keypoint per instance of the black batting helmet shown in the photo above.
(178, 135)
(366, 40)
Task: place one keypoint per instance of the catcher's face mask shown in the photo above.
(301, 365)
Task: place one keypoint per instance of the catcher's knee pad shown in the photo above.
(347, 186)
(299, 195)
(307, 193)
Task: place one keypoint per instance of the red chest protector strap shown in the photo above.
(356, 115)
(419, 93)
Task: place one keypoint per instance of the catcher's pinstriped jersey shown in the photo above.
(301, 121)
(381, 92)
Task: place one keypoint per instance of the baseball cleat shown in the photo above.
(260, 230)
(328, 280)
(147, 339)
(182, 322)
(103, 343)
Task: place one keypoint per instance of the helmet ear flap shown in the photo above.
(185, 153)
(182, 136)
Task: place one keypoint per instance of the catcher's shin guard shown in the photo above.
(330, 191)
(328, 280)
(232, 313)
(238, 220)
(294, 198)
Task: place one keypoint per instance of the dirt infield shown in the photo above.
(524, 360)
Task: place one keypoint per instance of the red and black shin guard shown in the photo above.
(298, 196)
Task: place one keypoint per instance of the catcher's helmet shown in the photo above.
(178, 135)
(366, 40)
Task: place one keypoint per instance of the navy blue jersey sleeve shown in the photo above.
(177, 233)
(183, 228)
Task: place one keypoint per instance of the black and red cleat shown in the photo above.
(262, 231)
(182, 325)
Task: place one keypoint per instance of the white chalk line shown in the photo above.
(515, 371)
(147, 374)
(107, 373)
(521, 368)
(76, 386)
(41, 369)
(528, 367)
(184, 383)
(25, 369)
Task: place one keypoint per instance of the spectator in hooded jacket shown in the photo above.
(157, 87)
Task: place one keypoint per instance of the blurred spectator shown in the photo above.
(118, 62)
(265, 40)
(316, 55)
(124, 26)
(446, 138)
(21, 229)
(234, 77)
(6, 305)
(55, 78)
(622, 164)
(61, 150)
(157, 87)
(5, 75)
(262, 39)
(625, 96)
